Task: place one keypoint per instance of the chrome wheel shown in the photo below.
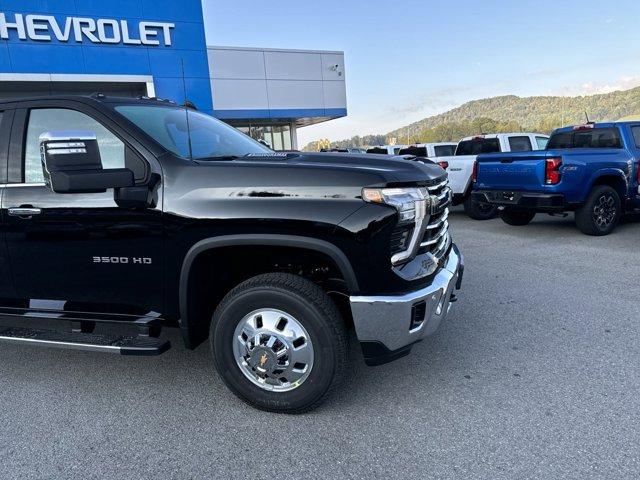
(273, 350)
(604, 211)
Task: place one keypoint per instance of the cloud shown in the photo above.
(543, 72)
(430, 102)
(625, 82)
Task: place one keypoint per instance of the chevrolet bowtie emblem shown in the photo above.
(263, 359)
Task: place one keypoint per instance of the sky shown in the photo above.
(406, 60)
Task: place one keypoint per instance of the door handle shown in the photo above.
(24, 212)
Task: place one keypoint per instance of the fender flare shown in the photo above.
(608, 172)
(293, 241)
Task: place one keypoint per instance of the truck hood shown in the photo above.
(297, 187)
(386, 169)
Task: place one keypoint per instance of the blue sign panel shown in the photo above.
(163, 39)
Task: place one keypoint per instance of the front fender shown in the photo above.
(322, 246)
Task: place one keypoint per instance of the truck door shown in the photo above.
(6, 120)
(79, 248)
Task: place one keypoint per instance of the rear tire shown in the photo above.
(516, 218)
(312, 342)
(479, 211)
(601, 212)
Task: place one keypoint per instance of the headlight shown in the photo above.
(412, 205)
(403, 199)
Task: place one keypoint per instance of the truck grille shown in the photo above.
(436, 238)
(433, 237)
(400, 238)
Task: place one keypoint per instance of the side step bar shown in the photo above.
(123, 345)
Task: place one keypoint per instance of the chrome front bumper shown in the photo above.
(387, 320)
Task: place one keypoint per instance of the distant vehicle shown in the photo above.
(343, 150)
(592, 170)
(460, 165)
(430, 150)
(387, 149)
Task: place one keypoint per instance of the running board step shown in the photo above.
(120, 344)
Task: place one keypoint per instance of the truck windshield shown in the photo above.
(191, 134)
(592, 138)
(476, 146)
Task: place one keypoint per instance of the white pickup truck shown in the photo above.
(434, 150)
(431, 150)
(461, 164)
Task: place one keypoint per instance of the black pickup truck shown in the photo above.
(124, 216)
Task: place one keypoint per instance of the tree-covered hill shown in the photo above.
(507, 113)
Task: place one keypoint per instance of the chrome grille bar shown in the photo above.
(433, 188)
(443, 195)
(439, 221)
(438, 236)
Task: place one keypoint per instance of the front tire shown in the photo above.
(479, 211)
(279, 343)
(601, 212)
(516, 218)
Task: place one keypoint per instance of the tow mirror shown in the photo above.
(71, 163)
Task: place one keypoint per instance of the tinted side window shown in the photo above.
(112, 150)
(520, 144)
(636, 135)
(378, 150)
(598, 138)
(416, 151)
(560, 140)
(444, 150)
(542, 142)
(477, 146)
(591, 138)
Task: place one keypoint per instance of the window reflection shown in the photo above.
(277, 136)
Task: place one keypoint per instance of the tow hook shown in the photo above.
(453, 298)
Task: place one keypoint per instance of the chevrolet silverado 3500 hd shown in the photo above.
(140, 214)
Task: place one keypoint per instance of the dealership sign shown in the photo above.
(45, 28)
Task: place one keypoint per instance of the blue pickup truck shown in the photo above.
(592, 170)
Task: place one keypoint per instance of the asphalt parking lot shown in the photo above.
(535, 376)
